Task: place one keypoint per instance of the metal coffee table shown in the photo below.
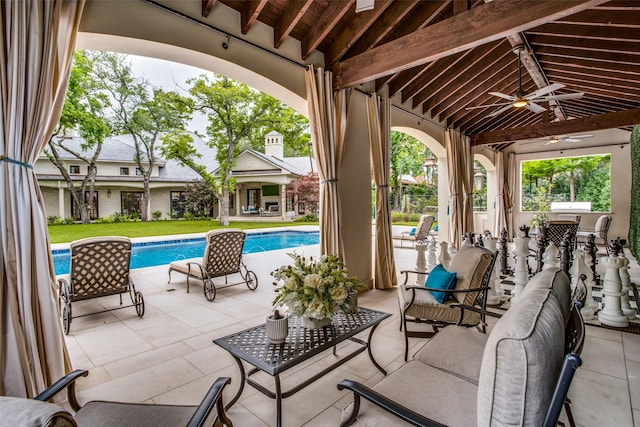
(253, 346)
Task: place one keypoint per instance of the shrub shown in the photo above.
(54, 220)
(307, 218)
(156, 215)
(68, 221)
(189, 216)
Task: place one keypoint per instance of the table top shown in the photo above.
(253, 346)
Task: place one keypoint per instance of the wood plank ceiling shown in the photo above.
(589, 46)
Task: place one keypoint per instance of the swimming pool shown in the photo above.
(149, 254)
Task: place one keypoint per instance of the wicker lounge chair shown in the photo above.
(420, 234)
(99, 267)
(222, 257)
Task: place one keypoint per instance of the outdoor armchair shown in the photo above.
(222, 257)
(99, 268)
(601, 231)
(27, 412)
(473, 267)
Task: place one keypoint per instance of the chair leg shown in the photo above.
(567, 409)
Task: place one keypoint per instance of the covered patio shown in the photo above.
(424, 67)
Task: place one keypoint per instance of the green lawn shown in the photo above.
(68, 233)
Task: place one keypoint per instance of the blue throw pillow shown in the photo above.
(439, 278)
(412, 232)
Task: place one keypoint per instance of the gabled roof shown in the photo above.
(293, 165)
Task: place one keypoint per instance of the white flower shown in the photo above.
(313, 280)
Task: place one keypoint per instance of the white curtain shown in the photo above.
(379, 116)
(328, 123)
(37, 39)
(500, 214)
(510, 191)
(460, 168)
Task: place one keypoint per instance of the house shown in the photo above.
(261, 180)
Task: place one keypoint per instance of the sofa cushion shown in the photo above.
(521, 362)
(558, 282)
(423, 389)
(457, 350)
(114, 414)
(426, 307)
(16, 411)
(470, 263)
(440, 278)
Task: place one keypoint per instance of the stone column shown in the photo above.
(611, 314)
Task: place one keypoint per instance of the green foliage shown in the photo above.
(156, 215)
(634, 222)
(54, 220)
(407, 156)
(307, 218)
(306, 189)
(585, 178)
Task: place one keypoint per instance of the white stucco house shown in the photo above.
(261, 180)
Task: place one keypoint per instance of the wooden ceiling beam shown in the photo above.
(250, 12)
(207, 6)
(374, 35)
(433, 72)
(355, 29)
(421, 16)
(330, 17)
(591, 83)
(589, 65)
(475, 27)
(587, 124)
(630, 47)
(580, 72)
(614, 57)
(586, 31)
(466, 64)
(611, 19)
(400, 80)
(288, 20)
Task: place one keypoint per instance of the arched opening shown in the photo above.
(483, 219)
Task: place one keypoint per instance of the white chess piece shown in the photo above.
(432, 260)
(521, 274)
(551, 257)
(421, 263)
(495, 292)
(611, 314)
(444, 257)
(453, 251)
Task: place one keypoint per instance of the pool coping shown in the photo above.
(192, 236)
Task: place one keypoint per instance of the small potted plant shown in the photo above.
(316, 288)
(277, 328)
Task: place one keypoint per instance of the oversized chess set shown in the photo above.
(610, 298)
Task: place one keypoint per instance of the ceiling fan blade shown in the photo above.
(576, 95)
(570, 140)
(544, 91)
(500, 110)
(487, 105)
(535, 107)
(503, 95)
(580, 136)
(550, 142)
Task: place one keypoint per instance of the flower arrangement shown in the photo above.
(539, 219)
(316, 288)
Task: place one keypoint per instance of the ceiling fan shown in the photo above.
(563, 138)
(520, 99)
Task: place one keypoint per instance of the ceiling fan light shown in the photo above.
(519, 103)
(554, 140)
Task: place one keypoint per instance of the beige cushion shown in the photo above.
(17, 411)
(456, 350)
(113, 414)
(183, 267)
(522, 359)
(425, 390)
(470, 263)
(426, 307)
(559, 284)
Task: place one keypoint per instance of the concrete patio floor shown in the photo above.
(168, 355)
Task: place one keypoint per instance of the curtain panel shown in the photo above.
(510, 192)
(460, 168)
(379, 117)
(37, 39)
(328, 124)
(499, 214)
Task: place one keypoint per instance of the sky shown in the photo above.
(169, 76)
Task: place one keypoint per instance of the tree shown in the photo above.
(306, 190)
(83, 111)
(407, 156)
(293, 126)
(234, 111)
(199, 198)
(141, 112)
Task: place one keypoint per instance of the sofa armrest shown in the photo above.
(213, 397)
(68, 382)
(405, 414)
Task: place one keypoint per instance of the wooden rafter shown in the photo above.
(480, 25)
(325, 24)
(250, 13)
(207, 5)
(288, 20)
(587, 124)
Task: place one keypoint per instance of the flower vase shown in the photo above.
(310, 323)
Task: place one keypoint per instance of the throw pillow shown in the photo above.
(440, 278)
(412, 232)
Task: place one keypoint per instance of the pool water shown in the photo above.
(149, 254)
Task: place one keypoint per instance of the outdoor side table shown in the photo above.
(253, 346)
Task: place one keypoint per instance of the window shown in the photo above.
(138, 171)
(567, 179)
(232, 201)
(124, 171)
(91, 207)
(130, 202)
(74, 169)
(177, 199)
(253, 197)
(290, 202)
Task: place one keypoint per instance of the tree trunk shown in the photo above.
(224, 207)
(145, 206)
(572, 187)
